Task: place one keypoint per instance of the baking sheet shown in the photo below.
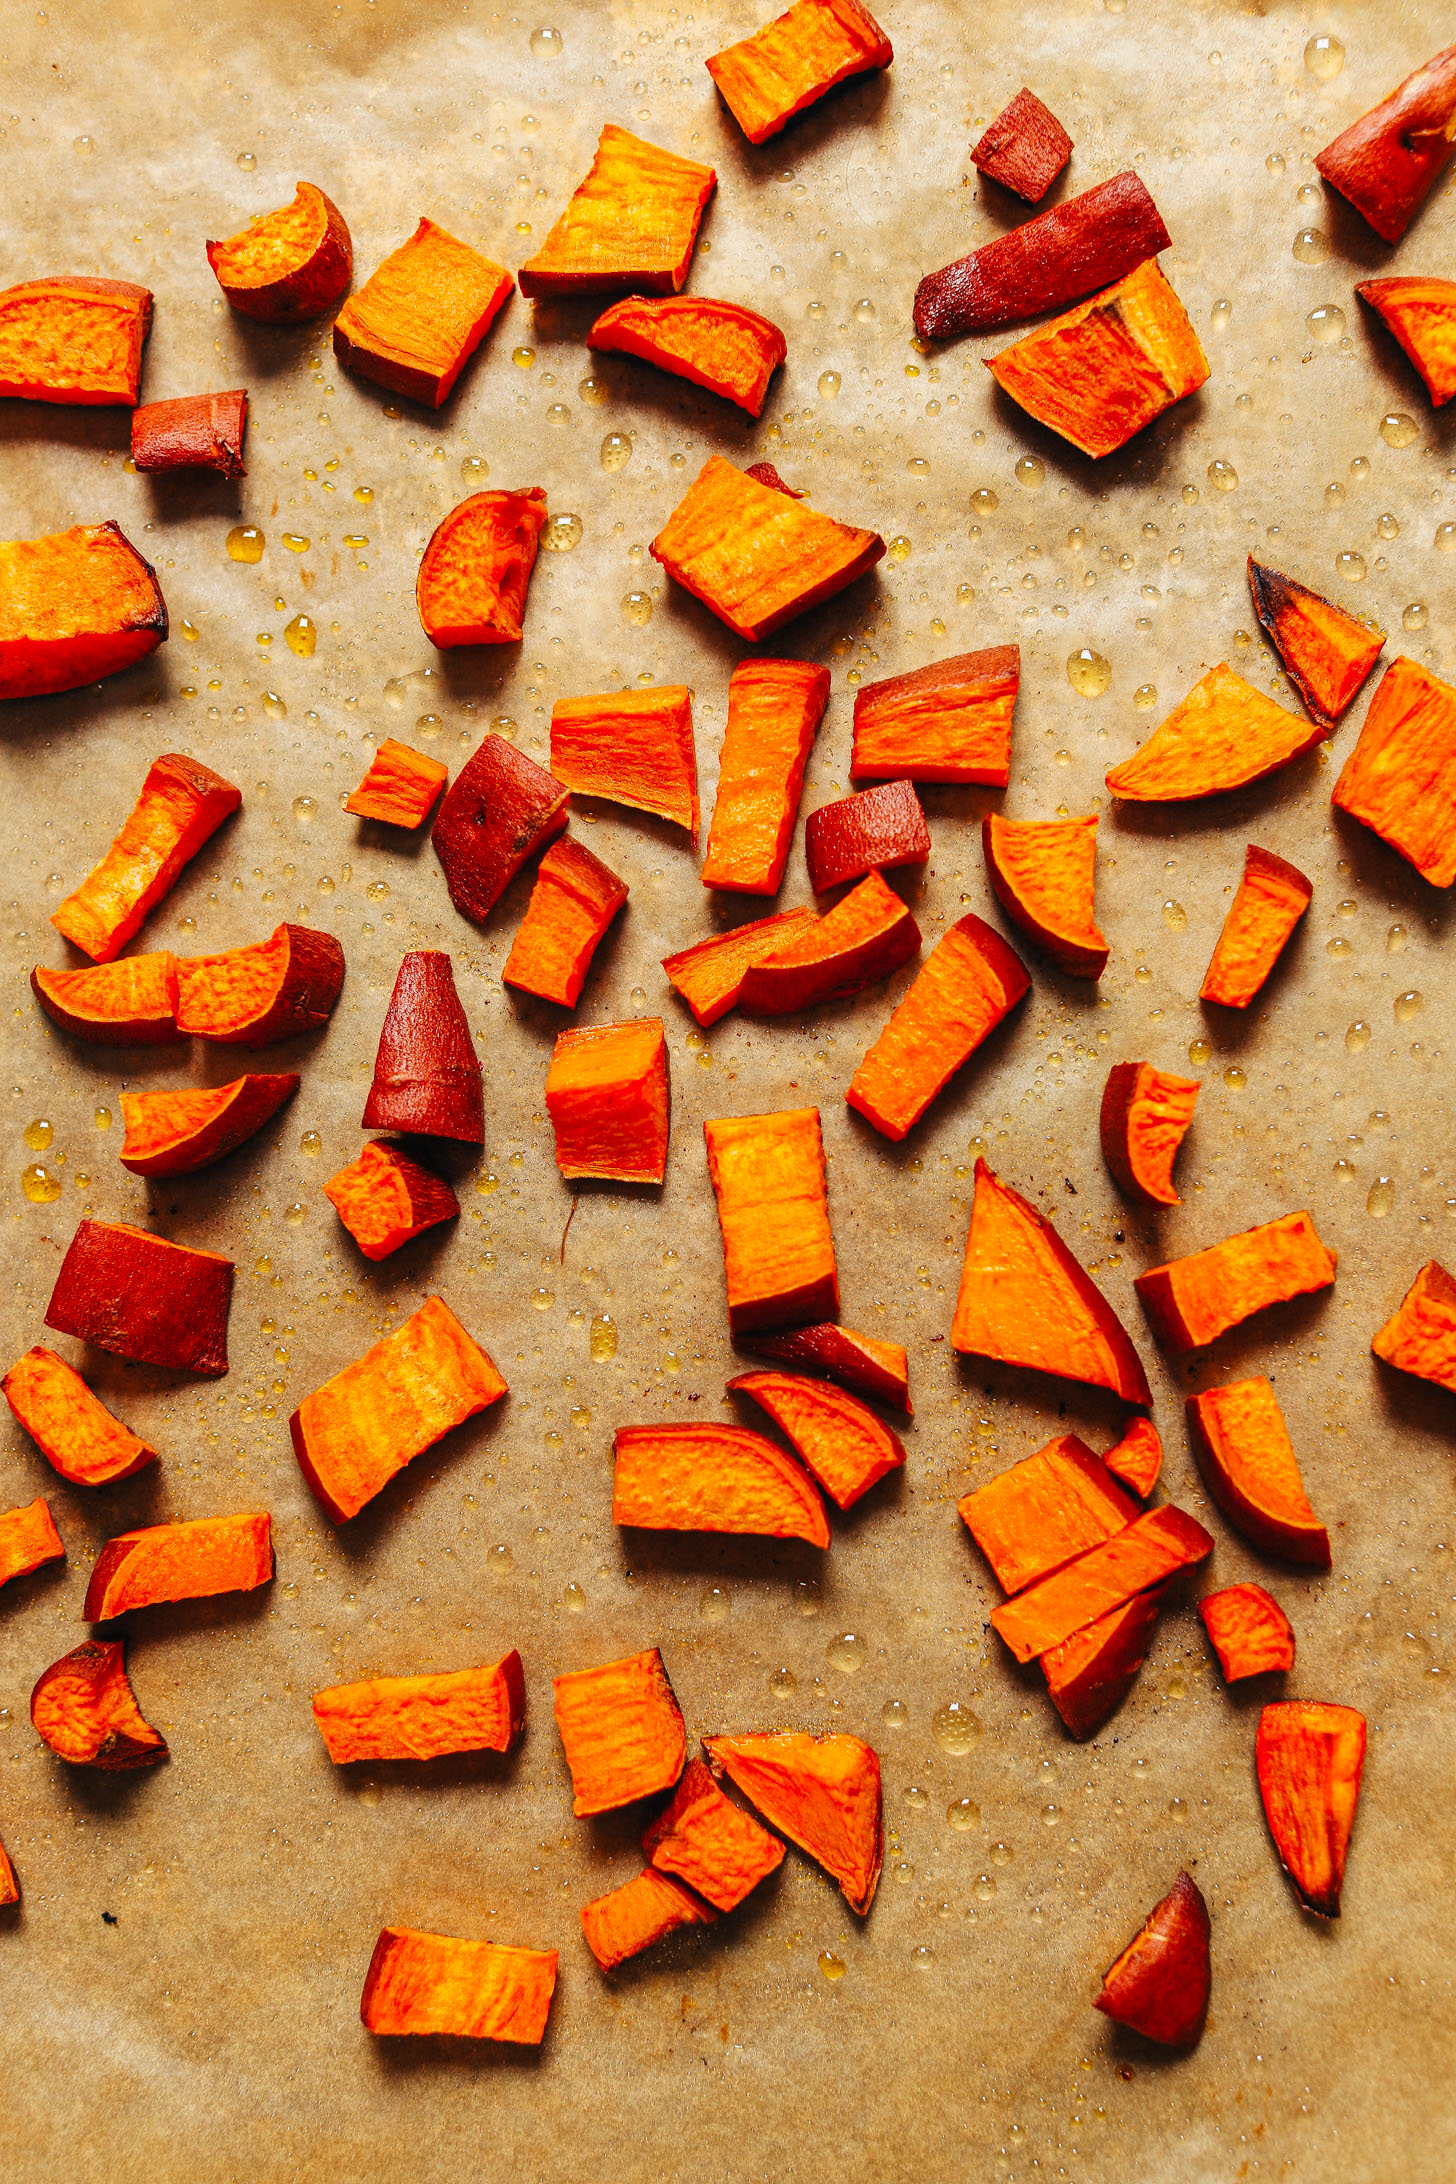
(181, 1982)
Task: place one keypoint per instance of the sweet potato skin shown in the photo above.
(498, 811)
(83, 1707)
(193, 432)
(1249, 1466)
(1025, 148)
(876, 830)
(256, 996)
(861, 1363)
(1043, 874)
(1087, 243)
(427, 1075)
(1160, 1984)
(1146, 1113)
(74, 339)
(866, 937)
(141, 1297)
(289, 265)
(74, 607)
(1386, 163)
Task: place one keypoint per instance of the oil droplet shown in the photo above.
(189, 631)
(561, 534)
(955, 1728)
(602, 1340)
(1339, 946)
(1415, 617)
(918, 466)
(294, 1214)
(832, 1966)
(1275, 163)
(983, 1888)
(915, 1796)
(1386, 526)
(1175, 917)
(38, 1136)
(274, 706)
(1199, 1050)
(637, 606)
(1145, 696)
(1002, 1854)
(542, 1299)
(364, 493)
(898, 548)
(1326, 322)
(524, 357)
(594, 391)
(377, 890)
(616, 451)
(783, 1681)
(474, 471)
(963, 1813)
(1310, 246)
(864, 310)
(558, 414)
(295, 542)
(311, 1143)
(1077, 539)
(1223, 475)
(546, 42)
(1335, 495)
(1395, 939)
(102, 1118)
(1406, 1006)
(1357, 1038)
(1380, 1197)
(1235, 1078)
(305, 807)
(245, 542)
(1087, 672)
(922, 1956)
(895, 1714)
(1324, 56)
(808, 1595)
(1398, 429)
(829, 384)
(985, 502)
(846, 1652)
(714, 1604)
(429, 726)
(1351, 567)
(40, 1184)
(1445, 540)
(1030, 472)
(573, 1599)
(1051, 1814)
(301, 636)
(1360, 467)
(83, 145)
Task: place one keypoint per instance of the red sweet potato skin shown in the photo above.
(1025, 148)
(194, 432)
(427, 1077)
(135, 1294)
(498, 811)
(1054, 260)
(872, 831)
(1386, 163)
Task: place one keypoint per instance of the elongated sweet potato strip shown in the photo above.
(289, 265)
(1327, 654)
(1191, 1302)
(632, 747)
(1249, 1467)
(1420, 1335)
(970, 983)
(1223, 735)
(131, 1002)
(191, 1561)
(712, 1478)
(1137, 1458)
(1025, 148)
(1309, 1756)
(876, 830)
(181, 805)
(1043, 874)
(861, 1363)
(193, 432)
(1044, 1512)
(1090, 1674)
(1248, 1631)
(710, 974)
(476, 570)
(73, 339)
(610, 1105)
(794, 60)
(1154, 1547)
(950, 721)
(1146, 1114)
(572, 904)
(74, 607)
(400, 787)
(639, 1914)
(774, 711)
(176, 1133)
(73, 1429)
(621, 1730)
(867, 935)
(1272, 897)
(1420, 312)
(385, 1199)
(475, 1990)
(256, 996)
(84, 1708)
(421, 315)
(1386, 163)
(498, 811)
(822, 1792)
(778, 1253)
(1086, 243)
(424, 1717)
(631, 223)
(1400, 779)
(721, 346)
(427, 1075)
(840, 1440)
(703, 1838)
(142, 1297)
(28, 1538)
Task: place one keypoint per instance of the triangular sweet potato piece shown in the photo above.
(1159, 1985)
(1387, 162)
(1223, 735)
(1042, 873)
(1420, 312)
(1138, 1457)
(1420, 1337)
(1400, 779)
(1309, 1756)
(1327, 654)
(1272, 897)
(1249, 1466)
(1090, 1674)
(840, 1440)
(822, 1792)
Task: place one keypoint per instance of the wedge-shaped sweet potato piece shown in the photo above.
(1223, 735)
(182, 804)
(710, 974)
(778, 1253)
(176, 1133)
(1086, 243)
(192, 432)
(774, 711)
(621, 1730)
(840, 1440)
(385, 1199)
(822, 1792)
(1309, 1756)
(1191, 1302)
(1025, 148)
(1159, 1986)
(1146, 1115)
(1400, 779)
(400, 787)
(1025, 1301)
(1248, 1631)
(9, 1885)
(1420, 1336)
(74, 607)
(572, 904)
(476, 570)
(498, 811)
(138, 1296)
(970, 983)
(1420, 312)
(84, 1709)
(131, 1002)
(28, 1538)
(1043, 874)
(424, 1717)
(753, 555)
(191, 1561)
(1090, 1674)
(861, 1363)
(427, 1076)
(1386, 163)
(639, 1914)
(73, 1429)
(632, 747)
(610, 1104)
(1153, 1548)
(794, 60)
(876, 830)
(73, 339)
(868, 934)
(703, 1838)
(289, 265)
(1105, 369)
(1326, 653)
(950, 721)
(255, 996)
(631, 223)
(1272, 897)
(1044, 1512)
(1249, 1467)
(1138, 1457)
(473, 1990)
(355, 1432)
(724, 347)
(421, 315)
(711, 1478)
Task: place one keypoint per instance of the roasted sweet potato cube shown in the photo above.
(877, 830)
(427, 1075)
(1146, 1114)
(1420, 1336)
(572, 904)
(632, 747)
(1309, 1757)
(1086, 243)
(1272, 897)
(131, 1002)
(621, 1730)
(842, 1442)
(970, 983)
(255, 996)
(424, 1717)
(703, 1838)
(794, 60)
(1191, 1302)
(774, 711)
(712, 1478)
(778, 1254)
(474, 574)
(192, 1561)
(141, 1297)
(400, 787)
(1386, 163)
(473, 1990)
(721, 346)
(1044, 1512)
(289, 265)
(83, 1707)
(193, 432)
(1249, 1467)
(710, 974)
(631, 223)
(1400, 779)
(1248, 1631)
(421, 315)
(181, 805)
(950, 721)
(385, 1199)
(822, 1792)
(609, 1101)
(1223, 735)
(28, 1538)
(74, 607)
(642, 1912)
(73, 339)
(71, 1426)
(1326, 653)
(1043, 872)
(498, 811)
(1420, 312)
(1025, 148)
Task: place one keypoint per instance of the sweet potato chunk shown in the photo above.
(970, 983)
(176, 1133)
(572, 904)
(28, 1538)
(876, 830)
(1044, 1512)
(774, 711)
(1145, 1117)
(866, 936)
(385, 1199)
(1420, 311)
(1090, 1674)
(1086, 243)
(73, 1429)
(840, 1440)
(621, 1730)
(721, 346)
(753, 555)
(1249, 1467)
(190, 1561)
(710, 974)
(950, 721)
(400, 787)
(194, 432)
(1309, 1756)
(9, 1886)
(182, 804)
(703, 1838)
(74, 607)
(289, 265)
(609, 1101)
(1138, 1457)
(1025, 148)
(1191, 1302)
(74, 340)
(861, 1363)
(634, 1917)
(475, 572)
(632, 747)
(473, 1990)
(822, 1792)
(1223, 735)
(1420, 1336)
(1326, 653)
(1154, 1547)
(1043, 874)
(421, 315)
(498, 811)
(253, 997)
(84, 1709)
(778, 1254)
(631, 223)
(794, 60)
(427, 1076)
(355, 1432)
(1248, 1631)
(711, 1478)
(1159, 1986)
(1272, 898)
(1386, 163)
(135, 1294)
(424, 1717)
(1400, 779)
(131, 1002)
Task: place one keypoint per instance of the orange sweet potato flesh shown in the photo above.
(631, 223)
(868, 934)
(1044, 1512)
(639, 1914)
(1145, 1118)
(950, 721)
(1386, 163)
(1248, 1631)
(190, 1561)
(774, 711)
(1309, 1756)
(474, 1990)
(839, 1439)
(572, 904)
(134, 1293)
(754, 555)
(83, 1707)
(822, 1792)
(1153, 1548)
(1025, 148)
(861, 1363)
(621, 1730)
(1137, 1458)
(476, 570)
(711, 1478)
(73, 340)
(176, 1133)
(1420, 1336)
(1025, 1301)
(255, 996)
(74, 607)
(355, 1432)
(610, 1105)
(28, 1538)
(131, 1002)
(421, 315)
(778, 1253)
(721, 346)
(1105, 369)
(9, 1886)
(400, 787)
(1420, 311)
(632, 747)
(1090, 1674)
(794, 60)
(1272, 898)
(1159, 1986)
(1223, 735)
(1249, 1467)
(289, 265)
(385, 1199)
(194, 432)
(1326, 653)
(1043, 874)
(970, 983)
(1400, 779)
(1191, 1302)
(424, 1717)
(703, 1838)
(182, 804)
(73, 1429)
(710, 974)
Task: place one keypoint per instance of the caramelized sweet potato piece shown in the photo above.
(774, 711)
(1145, 1118)
(1272, 898)
(476, 570)
(1223, 735)
(289, 265)
(1137, 1458)
(427, 1076)
(75, 606)
(840, 1440)
(866, 936)
(1086, 243)
(822, 1792)
(176, 1133)
(631, 747)
(1025, 148)
(1420, 1336)
(572, 904)
(498, 811)
(950, 721)
(1153, 1548)
(1191, 1302)
(424, 1717)
(970, 983)
(765, 80)
(753, 555)
(193, 432)
(1420, 312)
(1248, 1631)
(703, 1838)
(634, 1917)
(1044, 1512)
(181, 806)
(191, 1561)
(1326, 653)
(73, 1429)
(131, 1002)
(138, 1296)
(28, 1538)
(9, 1886)
(876, 830)
(1386, 163)
(621, 1730)
(473, 1990)
(609, 1101)
(1043, 874)
(84, 1709)
(1025, 1301)
(778, 1253)
(74, 340)
(631, 223)
(721, 346)
(1249, 1467)
(255, 996)
(861, 1363)
(400, 787)
(421, 316)
(1400, 779)
(1309, 1756)
(710, 974)
(712, 1478)
(1090, 1674)
(385, 1199)
(1159, 1985)
(355, 1432)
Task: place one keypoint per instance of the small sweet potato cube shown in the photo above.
(73, 1429)
(1090, 1674)
(774, 711)
(1138, 1457)
(178, 1132)
(842, 1442)
(711, 1478)
(386, 1200)
(778, 1254)
(1386, 163)
(498, 811)
(421, 315)
(822, 1792)
(572, 904)
(1420, 1336)
(1309, 1757)
(1420, 311)
(83, 1707)
(1043, 872)
(427, 1075)
(721, 346)
(710, 974)
(862, 1363)
(1248, 1631)
(631, 747)
(131, 1002)
(28, 1538)
(193, 432)
(1223, 735)
(1025, 148)
(1400, 779)
(1326, 653)
(73, 339)
(631, 223)
(703, 1838)
(475, 572)
(141, 1297)
(471, 1990)
(289, 265)
(794, 60)
(1153, 1548)
(1159, 1986)
(970, 983)
(867, 935)
(609, 1101)
(1272, 897)
(424, 1717)
(642, 1912)
(621, 1730)
(1191, 1302)
(1146, 1114)
(876, 830)
(1044, 1512)
(190, 1561)
(181, 805)
(1249, 1467)
(253, 997)
(950, 721)
(74, 607)
(400, 787)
